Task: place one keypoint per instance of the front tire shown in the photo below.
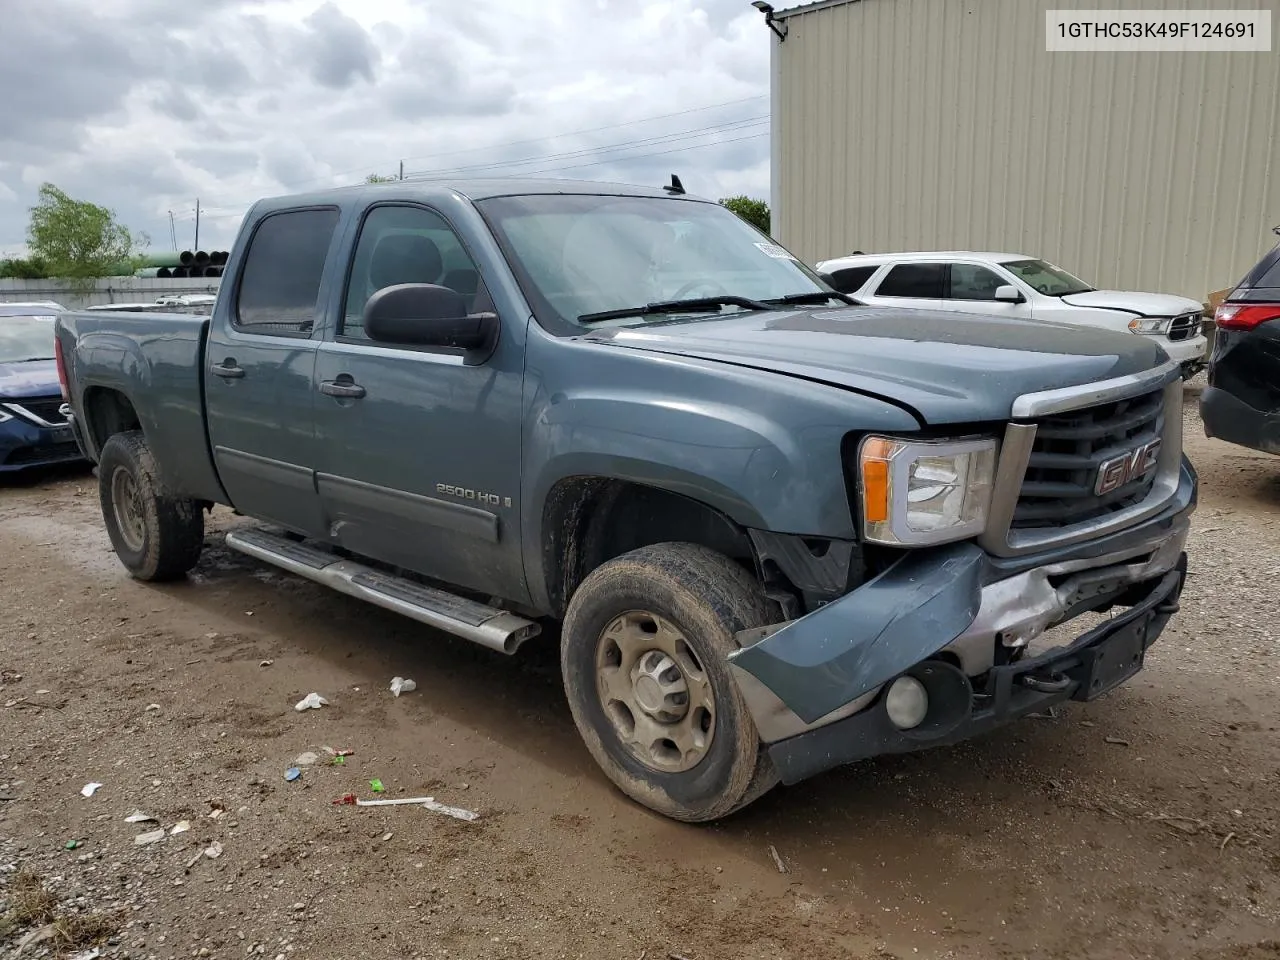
(643, 655)
(157, 537)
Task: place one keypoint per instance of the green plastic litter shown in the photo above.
(72, 844)
(376, 786)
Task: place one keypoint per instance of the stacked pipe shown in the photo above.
(189, 263)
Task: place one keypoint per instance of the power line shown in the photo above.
(673, 137)
(578, 133)
(554, 136)
(592, 151)
(645, 156)
(578, 166)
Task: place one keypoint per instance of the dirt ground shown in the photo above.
(1143, 825)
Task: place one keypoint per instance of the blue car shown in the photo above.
(33, 429)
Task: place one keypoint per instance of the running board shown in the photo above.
(488, 626)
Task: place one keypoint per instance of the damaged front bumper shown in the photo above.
(957, 620)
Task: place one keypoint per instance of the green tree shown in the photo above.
(378, 178)
(78, 240)
(30, 268)
(755, 212)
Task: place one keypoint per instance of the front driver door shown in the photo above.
(258, 367)
(971, 288)
(420, 453)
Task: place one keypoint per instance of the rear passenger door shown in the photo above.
(258, 369)
(909, 285)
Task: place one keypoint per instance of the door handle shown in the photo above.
(227, 370)
(342, 388)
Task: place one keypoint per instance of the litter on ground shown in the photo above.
(401, 685)
(312, 701)
(89, 789)
(428, 802)
(150, 836)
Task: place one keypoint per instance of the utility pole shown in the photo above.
(401, 169)
(197, 243)
(173, 232)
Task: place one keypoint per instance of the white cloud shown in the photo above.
(147, 111)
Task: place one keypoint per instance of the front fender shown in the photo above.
(850, 646)
(765, 450)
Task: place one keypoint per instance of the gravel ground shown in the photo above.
(1144, 825)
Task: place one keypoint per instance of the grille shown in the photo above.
(1058, 487)
(1184, 327)
(49, 453)
(46, 408)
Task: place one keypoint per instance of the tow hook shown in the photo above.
(1055, 683)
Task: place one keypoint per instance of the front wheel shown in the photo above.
(643, 654)
(157, 537)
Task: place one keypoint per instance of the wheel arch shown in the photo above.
(588, 520)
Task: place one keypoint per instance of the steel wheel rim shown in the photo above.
(126, 505)
(655, 692)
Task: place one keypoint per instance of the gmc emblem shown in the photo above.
(1116, 472)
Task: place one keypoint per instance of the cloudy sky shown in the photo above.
(144, 105)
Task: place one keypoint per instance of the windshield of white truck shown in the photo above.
(623, 261)
(26, 338)
(1046, 278)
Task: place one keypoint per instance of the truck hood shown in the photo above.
(29, 378)
(945, 367)
(1142, 304)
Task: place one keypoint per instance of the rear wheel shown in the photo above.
(643, 653)
(156, 536)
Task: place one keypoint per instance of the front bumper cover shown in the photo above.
(1098, 661)
(957, 601)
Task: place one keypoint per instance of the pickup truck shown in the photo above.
(780, 531)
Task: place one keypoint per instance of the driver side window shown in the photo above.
(972, 282)
(407, 245)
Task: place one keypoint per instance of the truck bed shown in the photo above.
(155, 361)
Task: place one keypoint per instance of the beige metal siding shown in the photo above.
(944, 124)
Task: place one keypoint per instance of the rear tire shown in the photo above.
(643, 655)
(157, 537)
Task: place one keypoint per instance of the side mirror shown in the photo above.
(428, 315)
(1008, 293)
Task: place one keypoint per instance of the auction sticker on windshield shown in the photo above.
(775, 251)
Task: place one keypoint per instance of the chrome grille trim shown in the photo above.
(32, 417)
(1087, 395)
(1001, 540)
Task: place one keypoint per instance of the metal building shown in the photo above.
(945, 124)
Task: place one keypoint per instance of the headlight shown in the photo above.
(921, 492)
(1151, 326)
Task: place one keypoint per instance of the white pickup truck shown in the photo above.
(1014, 285)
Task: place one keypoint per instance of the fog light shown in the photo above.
(906, 703)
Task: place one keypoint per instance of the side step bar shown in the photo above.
(488, 626)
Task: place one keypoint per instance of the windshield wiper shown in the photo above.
(696, 305)
(817, 296)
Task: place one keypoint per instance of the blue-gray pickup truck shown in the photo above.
(781, 531)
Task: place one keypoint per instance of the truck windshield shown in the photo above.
(1046, 278)
(587, 256)
(26, 338)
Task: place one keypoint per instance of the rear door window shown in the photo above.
(851, 279)
(280, 279)
(916, 280)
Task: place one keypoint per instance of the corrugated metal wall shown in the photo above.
(944, 124)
